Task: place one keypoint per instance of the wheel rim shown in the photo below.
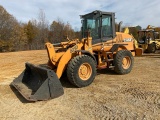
(126, 62)
(85, 71)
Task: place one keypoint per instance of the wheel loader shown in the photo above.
(100, 48)
(155, 35)
(146, 40)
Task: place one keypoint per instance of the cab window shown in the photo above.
(106, 26)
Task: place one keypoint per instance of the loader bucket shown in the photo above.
(38, 83)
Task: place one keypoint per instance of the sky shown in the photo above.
(131, 12)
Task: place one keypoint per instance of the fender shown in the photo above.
(116, 46)
(87, 53)
(66, 57)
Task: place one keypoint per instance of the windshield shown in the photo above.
(98, 27)
(91, 24)
(141, 36)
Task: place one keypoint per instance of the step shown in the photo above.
(109, 60)
(111, 66)
(109, 52)
(101, 67)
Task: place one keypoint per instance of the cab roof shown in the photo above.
(98, 11)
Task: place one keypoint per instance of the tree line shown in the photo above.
(16, 36)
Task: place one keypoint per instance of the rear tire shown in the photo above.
(81, 70)
(151, 48)
(123, 62)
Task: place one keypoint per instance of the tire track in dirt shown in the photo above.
(146, 101)
(150, 97)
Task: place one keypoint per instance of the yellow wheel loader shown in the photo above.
(146, 40)
(100, 48)
(156, 35)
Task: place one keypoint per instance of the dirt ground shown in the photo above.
(110, 97)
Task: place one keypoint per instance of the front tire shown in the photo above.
(81, 70)
(123, 62)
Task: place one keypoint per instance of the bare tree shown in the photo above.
(42, 29)
(59, 29)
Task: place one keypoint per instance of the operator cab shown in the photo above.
(145, 36)
(98, 25)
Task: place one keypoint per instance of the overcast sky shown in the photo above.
(131, 12)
